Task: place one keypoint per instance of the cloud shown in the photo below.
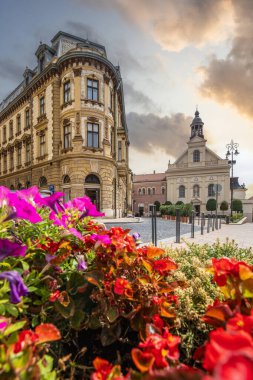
(136, 98)
(149, 132)
(230, 80)
(10, 69)
(84, 31)
(174, 24)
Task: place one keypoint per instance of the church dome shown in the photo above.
(197, 126)
(197, 119)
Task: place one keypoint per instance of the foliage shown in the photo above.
(211, 204)
(224, 206)
(185, 209)
(237, 205)
(179, 203)
(167, 203)
(74, 293)
(236, 217)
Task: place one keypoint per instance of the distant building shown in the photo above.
(194, 175)
(65, 126)
(147, 189)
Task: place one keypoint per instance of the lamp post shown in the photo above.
(232, 150)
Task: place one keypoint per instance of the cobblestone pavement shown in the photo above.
(165, 228)
(241, 234)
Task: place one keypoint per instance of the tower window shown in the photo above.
(67, 135)
(92, 89)
(42, 105)
(19, 152)
(196, 156)
(42, 144)
(93, 135)
(18, 124)
(66, 91)
(27, 118)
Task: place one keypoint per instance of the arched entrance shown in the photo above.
(92, 189)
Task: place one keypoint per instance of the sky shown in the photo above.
(174, 55)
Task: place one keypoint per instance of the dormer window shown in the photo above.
(41, 63)
(196, 156)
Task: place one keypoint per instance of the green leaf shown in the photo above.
(112, 314)
(110, 334)
(12, 310)
(77, 319)
(2, 309)
(15, 327)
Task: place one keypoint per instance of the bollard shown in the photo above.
(153, 224)
(202, 223)
(208, 224)
(216, 222)
(220, 222)
(212, 223)
(192, 226)
(177, 225)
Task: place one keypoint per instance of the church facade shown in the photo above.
(193, 177)
(64, 126)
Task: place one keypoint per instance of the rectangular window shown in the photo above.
(66, 91)
(67, 194)
(11, 160)
(42, 105)
(92, 89)
(27, 118)
(28, 151)
(42, 145)
(18, 124)
(120, 150)
(93, 135)
(11, 129)
(4, 134)
(5, 162)
(67, 136)
(111, 99)
(19, 152)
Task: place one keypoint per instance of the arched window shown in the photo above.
(143, 191)
(66, 179)
(196, 190)
(211, 192)
(12, 187)
(181, 191)
(139, 191)
(163, 190)
(92, 178)
(42, 181)
(196, 156)
(19, 187)
(153, 190)
(149, 191)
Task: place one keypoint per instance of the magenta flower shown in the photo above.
(53, 202)
(84, 205)
(101, 239)
(3, 323)
(9, 248)
(16, 283)
(81, 264)
(23, 209)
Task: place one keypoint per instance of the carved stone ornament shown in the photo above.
(77, 72)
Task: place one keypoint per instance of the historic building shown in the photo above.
(64, 126)
(148, 189)
(193, 177)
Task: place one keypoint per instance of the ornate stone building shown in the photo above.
(65, 126)
(193, 176)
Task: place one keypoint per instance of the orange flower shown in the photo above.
(122, 287)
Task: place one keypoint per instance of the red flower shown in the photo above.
(122, 287)
(102, 367)
(164, 265)
(54, 296)
(158, 322)
(235, 367)
(25, 338)
(230, 267)
(241, 322)
(155, 351)
(223, 343)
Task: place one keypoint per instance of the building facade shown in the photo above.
(193, 177)
(65, 126)
(148, 189)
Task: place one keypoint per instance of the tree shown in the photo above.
(211, 205)
(237, 205)
(157, 205)
(168, 203)
(179, 203)
(224, 206)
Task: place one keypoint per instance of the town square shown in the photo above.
(126, 190)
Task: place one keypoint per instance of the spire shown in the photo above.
(197, 125)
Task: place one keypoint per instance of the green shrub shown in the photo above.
(211, 205)
(236, 217)
(237, 205)
(224, 206)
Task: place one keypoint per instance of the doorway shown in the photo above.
(94, 195)
(197, 209)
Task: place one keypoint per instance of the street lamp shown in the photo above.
(232, 150)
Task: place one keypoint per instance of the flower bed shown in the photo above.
(79, 301)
